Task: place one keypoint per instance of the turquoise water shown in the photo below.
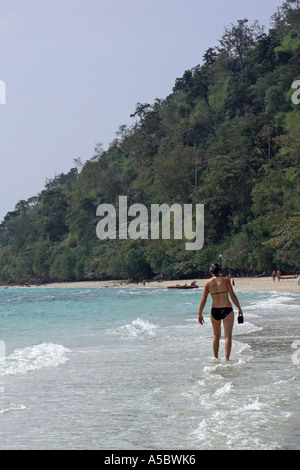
(130, 368)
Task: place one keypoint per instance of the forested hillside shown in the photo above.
(228, 136)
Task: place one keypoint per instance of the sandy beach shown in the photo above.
(245, 284)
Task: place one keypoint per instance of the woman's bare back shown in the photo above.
(218, 288)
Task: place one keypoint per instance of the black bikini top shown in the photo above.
(218, 293)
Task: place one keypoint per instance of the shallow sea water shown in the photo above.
(130, 368)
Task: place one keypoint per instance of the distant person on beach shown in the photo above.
(274, 275)
(278, 274)
(219, 287)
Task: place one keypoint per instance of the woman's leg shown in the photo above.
(217, 334)
(228, 326)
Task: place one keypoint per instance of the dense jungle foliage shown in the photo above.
(228, 136)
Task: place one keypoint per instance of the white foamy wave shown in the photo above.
(136, 328)
(253, 315)
(230, 426)
(226, 389)
(255, 405)
(16, 299)
(33, 358)
(246, 328)
(273, 301)
(5, 407)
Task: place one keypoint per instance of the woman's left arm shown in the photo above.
(202, 304)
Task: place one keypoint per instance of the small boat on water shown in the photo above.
(178, 286)
(289, 277)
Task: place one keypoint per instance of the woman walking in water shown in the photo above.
(219, 287)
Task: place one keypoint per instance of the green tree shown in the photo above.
(239, 39)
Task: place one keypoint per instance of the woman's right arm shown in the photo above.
(202, 304)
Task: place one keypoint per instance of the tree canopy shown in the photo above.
(227, 136)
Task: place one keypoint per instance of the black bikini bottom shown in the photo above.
(221, 313)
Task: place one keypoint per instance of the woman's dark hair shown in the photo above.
(215, 269)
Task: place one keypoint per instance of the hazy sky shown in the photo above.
(75, 69)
